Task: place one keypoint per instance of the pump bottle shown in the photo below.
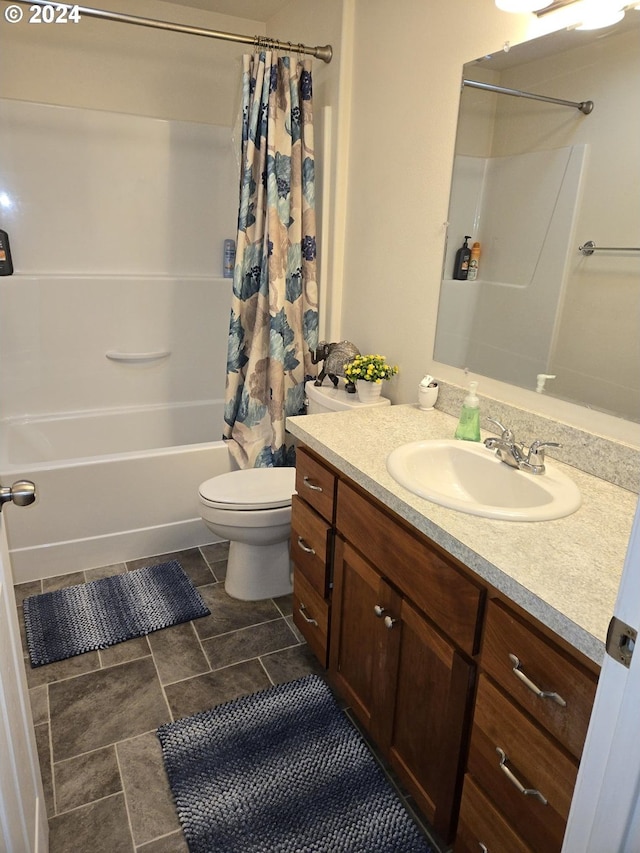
(461, 266)
(468, 428)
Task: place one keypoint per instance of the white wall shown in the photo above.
(110, 66)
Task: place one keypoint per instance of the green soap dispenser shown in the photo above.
(468, 427)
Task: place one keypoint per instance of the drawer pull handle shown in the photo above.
(302, 544)
(528, 792)
(311, 485)
(302, 611)
(543, 694)
(483, 847)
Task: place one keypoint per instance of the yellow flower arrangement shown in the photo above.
(371, 368)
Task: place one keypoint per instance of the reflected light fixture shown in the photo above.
(522, 5)
(596, 14)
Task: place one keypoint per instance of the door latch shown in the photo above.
(621, 641)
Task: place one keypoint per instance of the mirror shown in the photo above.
(532, 182)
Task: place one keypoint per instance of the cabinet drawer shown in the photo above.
(315, 484)
(311, 616)
(527, 755)
(545, 666)
(431, 581)
(482, 827)
(310, 537)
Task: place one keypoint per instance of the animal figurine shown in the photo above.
(335, 356)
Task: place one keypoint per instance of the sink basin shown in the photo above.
(469, 477)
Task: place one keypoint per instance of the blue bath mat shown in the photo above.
(283, 771)
(101, 613)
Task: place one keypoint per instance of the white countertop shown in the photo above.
(564, 572)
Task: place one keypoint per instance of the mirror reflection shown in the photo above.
(534, 181)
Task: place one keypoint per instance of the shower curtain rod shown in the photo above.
(324, 52)
(584, 106)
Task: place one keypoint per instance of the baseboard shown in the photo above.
(60, 558)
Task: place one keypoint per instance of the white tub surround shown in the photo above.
(564, 572)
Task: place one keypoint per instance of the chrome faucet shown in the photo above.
(513, 453)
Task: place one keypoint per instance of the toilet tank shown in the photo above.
(326, 398)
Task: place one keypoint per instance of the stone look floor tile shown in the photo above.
(61, 669)
(174, 843)
(62, 581)
(177, 653)
(193, 564)
(214, 688)
(103, 707)
(295, 629)
(44, 757)
(24, 590)
(130, 650)
(88, 777)
(100, 827)
(218, 552)
(230, 614)
(105, 572)
(248, 643)
(290, 664)
(39, 699)
(284, 604)
(146, 788)
(108, 775)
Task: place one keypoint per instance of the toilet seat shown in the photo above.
(250, 489)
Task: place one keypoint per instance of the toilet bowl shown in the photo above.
(252, 509)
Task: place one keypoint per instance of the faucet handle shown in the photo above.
(536, 451)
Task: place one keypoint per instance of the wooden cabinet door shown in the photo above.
(433, 688)
(406, 683)
(354, 629)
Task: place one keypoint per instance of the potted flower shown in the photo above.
(367, 372)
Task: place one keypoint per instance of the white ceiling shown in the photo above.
(254, 10)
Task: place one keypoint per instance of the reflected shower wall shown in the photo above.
(523, 266)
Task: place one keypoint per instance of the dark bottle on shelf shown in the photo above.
(461, 266)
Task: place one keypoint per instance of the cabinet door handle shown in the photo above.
(379, 610)
(528, 792)
(302, 611)
(302, 544)
(543, 694)
(389, 622)
(311, 485)
(483, 847)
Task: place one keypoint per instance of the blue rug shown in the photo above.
(101, 613)
(283, 771)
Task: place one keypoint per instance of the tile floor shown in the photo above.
(95, 715)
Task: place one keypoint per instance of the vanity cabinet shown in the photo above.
(403, 629)
(532, 710)
(480, 710)
(312, 517)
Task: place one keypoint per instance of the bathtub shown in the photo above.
(111, 485)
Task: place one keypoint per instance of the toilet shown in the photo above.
(252, 509)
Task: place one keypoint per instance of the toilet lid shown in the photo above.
(253, 488)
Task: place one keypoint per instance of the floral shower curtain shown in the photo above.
(273, 329)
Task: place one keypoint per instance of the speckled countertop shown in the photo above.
(564, 572)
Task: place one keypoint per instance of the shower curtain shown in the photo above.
(273, 329)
